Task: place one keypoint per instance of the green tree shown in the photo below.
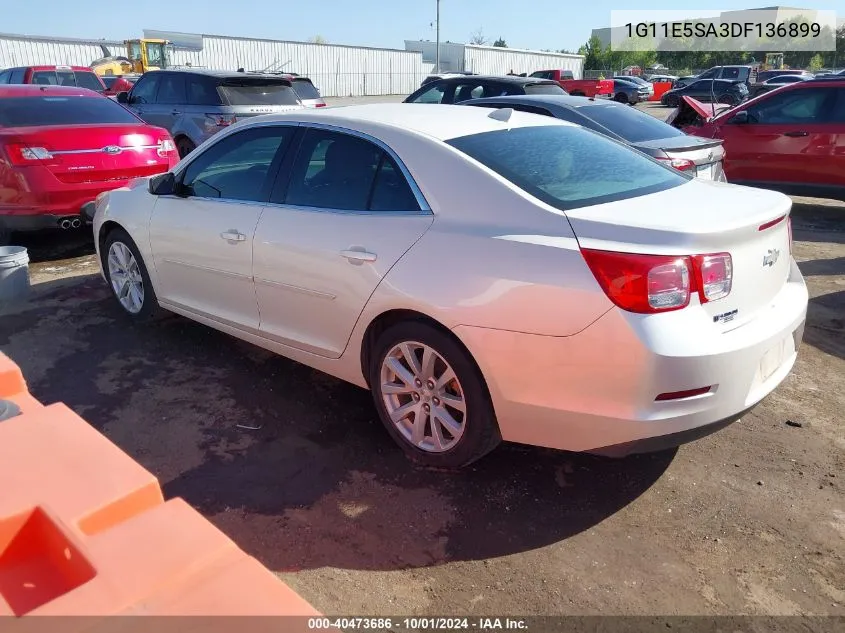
(816, 63)
(500, 43)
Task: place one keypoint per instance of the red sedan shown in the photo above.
(791, 139)
(60, 147)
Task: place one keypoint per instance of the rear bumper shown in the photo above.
(20, 223)
(596, 391)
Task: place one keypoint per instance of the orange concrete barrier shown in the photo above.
(85, 531)
(660, 87)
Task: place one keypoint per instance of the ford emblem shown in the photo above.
(112, 149)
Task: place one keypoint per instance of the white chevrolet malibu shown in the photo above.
(487, 275)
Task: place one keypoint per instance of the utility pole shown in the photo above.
(437, 55)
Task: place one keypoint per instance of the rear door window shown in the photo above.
(59, 110)
(467, 91)
(802, 105)
(247, 92)
(202, 91)
(305, 89)
(18, 75)
(5, 76)
(543, 74)
(88, 80)
(171, 89)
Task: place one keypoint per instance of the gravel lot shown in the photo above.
(750, 520)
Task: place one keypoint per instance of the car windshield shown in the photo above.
(632, 125)
(245, 92)
(567, 166)
(88, 80)
(58, 110)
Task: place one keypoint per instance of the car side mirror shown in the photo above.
(123, 97)
(739, 118)
(165, 185)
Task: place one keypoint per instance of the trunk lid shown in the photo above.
(95, 153)
(692, 112)
(702, 218)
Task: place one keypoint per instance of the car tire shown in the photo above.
(462, 438)
(185, 146)
(144, 305)
(621, 97)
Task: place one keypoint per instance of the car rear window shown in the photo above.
(305, 89)
(567, 166)
(631, 124)
(239, 92)
(544, 89)
(88, 80)
(56, 110)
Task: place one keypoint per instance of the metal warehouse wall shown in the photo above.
(20, 50)
(338, 71)
(451, 54)
(490, 60)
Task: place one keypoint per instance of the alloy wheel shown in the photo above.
(423, 397)
(125, 277)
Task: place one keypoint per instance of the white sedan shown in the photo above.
(488, 275)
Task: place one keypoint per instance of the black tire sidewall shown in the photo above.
(621, 97)
(150, 310)
(481, 432)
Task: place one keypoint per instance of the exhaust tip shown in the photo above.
(65, 224)
(75, 223)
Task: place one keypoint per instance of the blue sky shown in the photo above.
(533, 24)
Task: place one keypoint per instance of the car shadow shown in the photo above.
(822, 267)
(825, 328)
(290, 463)
(54, 246)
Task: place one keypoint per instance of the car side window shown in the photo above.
(44, 77)
(145, 89)
(837, 113)
(5, 76)
(333, 171)
(202, 91)
(391, 191)
(467, 91)
(543, 74)
(238, 166)
(17, 76)
(432, 95)
(807, 105)
(172, 89)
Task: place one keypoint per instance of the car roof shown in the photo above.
(39, 90)
(510, 79)
(38, 67)
(442, 122)
(219, 74)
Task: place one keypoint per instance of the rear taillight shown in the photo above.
(321, 105)
(714, 276)
(20, 154)
(648, 284)
(681, 164)
(219, 120)
(165, 147)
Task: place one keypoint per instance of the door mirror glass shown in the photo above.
(123, 97)
(164, 185)
(740, 118)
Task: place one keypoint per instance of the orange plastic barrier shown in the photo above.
(84, 530)
(660, 87)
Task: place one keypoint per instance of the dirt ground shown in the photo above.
(294, 466)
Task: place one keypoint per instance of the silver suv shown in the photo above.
(196, 104)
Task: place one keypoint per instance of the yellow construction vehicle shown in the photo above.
(774, 61)
(141, 55)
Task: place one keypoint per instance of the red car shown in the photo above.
(79, 76)
(115, 84)
(791, 139)
(61, 147)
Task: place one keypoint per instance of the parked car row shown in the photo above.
(596, 300)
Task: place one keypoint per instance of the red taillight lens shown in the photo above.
(321, 105)
(166, 146)
(648, 284)
(681, 164)
(21, 155)
(642, 283)
(714, 276)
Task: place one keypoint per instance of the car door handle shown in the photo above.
(233, 236)
(358, 256)
(796, 134)
(176, 112)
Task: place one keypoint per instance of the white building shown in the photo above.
(492, 60)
